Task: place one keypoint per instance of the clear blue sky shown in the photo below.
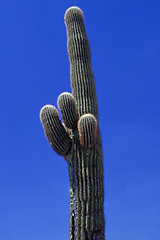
(34, 69)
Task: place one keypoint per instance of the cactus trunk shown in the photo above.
(85, 165)
(86, 192)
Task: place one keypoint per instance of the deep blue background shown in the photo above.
(34, 69)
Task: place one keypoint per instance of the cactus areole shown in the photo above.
(78, 138)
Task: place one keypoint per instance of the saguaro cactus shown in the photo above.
(78, 139)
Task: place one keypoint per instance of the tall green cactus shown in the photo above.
(78, 138)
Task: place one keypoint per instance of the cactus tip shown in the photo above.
(73, 10)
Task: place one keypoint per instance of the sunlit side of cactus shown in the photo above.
(78, 139)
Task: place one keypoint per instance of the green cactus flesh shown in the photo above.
(78, 138)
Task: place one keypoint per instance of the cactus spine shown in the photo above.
(78, 138)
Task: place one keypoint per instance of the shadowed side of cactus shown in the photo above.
(78, 138)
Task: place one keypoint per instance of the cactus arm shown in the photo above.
(78, 138)
(87, 128)
(54, 130)
(67, 105)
